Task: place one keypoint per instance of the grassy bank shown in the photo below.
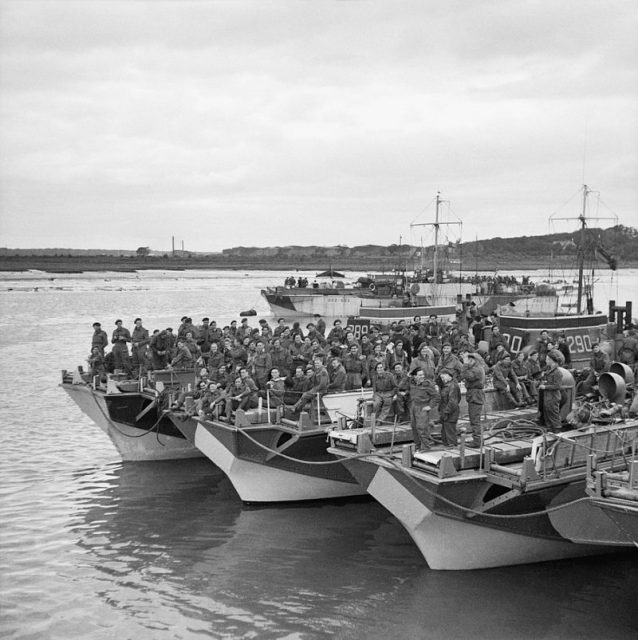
(79, 264)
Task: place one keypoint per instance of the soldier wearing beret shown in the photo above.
(99, 338)
(120, 339)
(473, 375)
(551, 387)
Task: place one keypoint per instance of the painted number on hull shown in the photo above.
(359, 327)
(579, 343)
(515, 343)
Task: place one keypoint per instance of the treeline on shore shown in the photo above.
(619, 244)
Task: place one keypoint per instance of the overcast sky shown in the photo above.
(267, 123)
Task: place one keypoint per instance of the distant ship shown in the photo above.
(414, 293)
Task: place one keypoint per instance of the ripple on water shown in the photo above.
(93, 548)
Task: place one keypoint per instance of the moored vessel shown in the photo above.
(387, 297)
(270, 458)
(518, 497)
(616, 496)
(469, 508)
(583, 326)
(131, 412)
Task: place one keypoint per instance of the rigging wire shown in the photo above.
(390, 459)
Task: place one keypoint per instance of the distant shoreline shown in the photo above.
(81, 264)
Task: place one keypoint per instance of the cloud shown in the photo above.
(295, 122)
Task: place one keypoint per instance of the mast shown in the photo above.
(436, 224)
(436, 237)
(581, 251)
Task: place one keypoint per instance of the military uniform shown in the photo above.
(120, 339)
(140, 340)
(473, 375)
(99, 340)
(423, 395)
(384, 390)
(449, 411)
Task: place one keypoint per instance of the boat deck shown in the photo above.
(529, 459)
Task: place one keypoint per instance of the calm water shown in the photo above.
(93, 548)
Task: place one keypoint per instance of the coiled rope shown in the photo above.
(399, 467)
(128, 435)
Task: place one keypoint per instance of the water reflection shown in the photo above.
(92, 548)
(177, 532)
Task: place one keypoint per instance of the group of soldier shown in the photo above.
(411, 368)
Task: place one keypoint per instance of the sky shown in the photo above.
(230, 123)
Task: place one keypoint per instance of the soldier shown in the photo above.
(498, 354)
(355, 366)
(265, 330)
(378, 356)
(220, 376)
(599, 364)
(337, 375)
(215, 334)
(551, 388)
(449, 408)
(249, 395)
(99, 338)
(171, 340)
(496, 339)
(183, 359)
(159, 349)
(629, 348)
(243, 330)
(181, 330)
(423, 394)
(96, 364)
(275, 389)
(261, 365)
(313, 334)
(448, 362)
(541, 346)
(473, 375)
(297, 353)
(312, 396)
(215, 357)
(505, 381)
(212, 401)
(519, 367)
(238, 355)
(563, 347)
(384, 391)
(280, 328)
(402, 397)
(191, 343)
(424, 361)
(203, 340)
(233, 394)
(534, 375)
(398, 356)
(298, 384)
(366, 346)
(189, 327)
(336, 331)
(120, 339)
(320, 324)
(280, 358)
(140, 340)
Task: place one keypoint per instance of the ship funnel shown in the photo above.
(623, 371)
(612, 387)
